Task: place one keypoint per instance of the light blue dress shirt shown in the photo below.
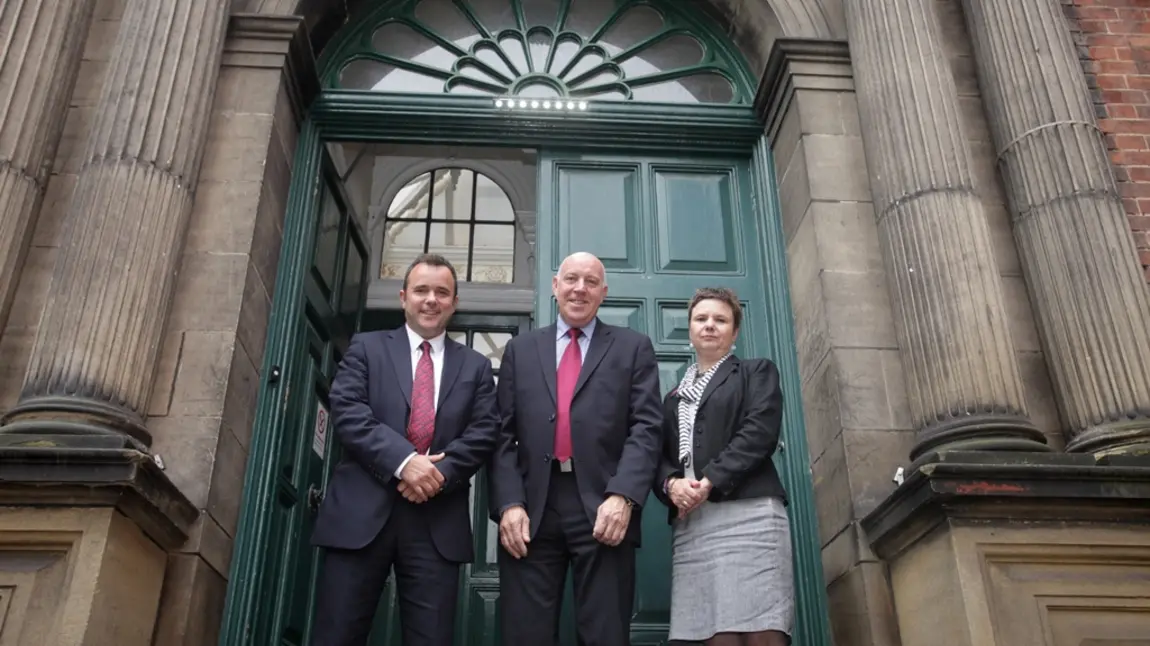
(562, 338)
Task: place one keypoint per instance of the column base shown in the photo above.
(94, 471)
(999, 433)
(999, 549)
(74, 415)
(77, 576)
(1128, 437)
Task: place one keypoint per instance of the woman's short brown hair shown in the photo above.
(721, 294)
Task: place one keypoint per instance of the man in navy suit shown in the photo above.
(416, 415)
(580, 441)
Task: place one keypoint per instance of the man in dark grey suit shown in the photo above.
(415, 413)
(577, 454)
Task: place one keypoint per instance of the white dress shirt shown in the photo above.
(437, 344)
(563, 338)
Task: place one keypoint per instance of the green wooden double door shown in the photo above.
(662, 227)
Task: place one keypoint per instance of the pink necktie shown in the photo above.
(569, 367)
(421, 425)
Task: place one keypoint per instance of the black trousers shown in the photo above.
(352, 581)
(531, 589)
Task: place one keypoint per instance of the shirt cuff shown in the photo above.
(399, 471)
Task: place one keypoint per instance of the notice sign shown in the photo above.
(319, 437)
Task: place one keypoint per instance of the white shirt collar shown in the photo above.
(562, 327)
(415, 340)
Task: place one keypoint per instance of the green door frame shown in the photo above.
(632, 127)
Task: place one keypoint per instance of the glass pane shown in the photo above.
(353, 284)
(491, 345)
(585, 16)
(445, 19)
(453, 188)
(494, 258)
(541, 12)
(703, 88)
(402, 242)
(636, 25)
(459, 336)
(672, 53)
(401, 41)
(491, 203)
(496, 15)
(411, 201)
(327, 241)
(451, 240)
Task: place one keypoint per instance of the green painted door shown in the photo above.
(328, 314)
(663, 228)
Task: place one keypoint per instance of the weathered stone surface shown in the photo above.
(99, 339)
(40, 46)
(1086, 283)
(962, 375)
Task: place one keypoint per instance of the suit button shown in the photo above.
(552, 418)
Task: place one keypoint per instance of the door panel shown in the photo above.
(663, 228)
(328, 314)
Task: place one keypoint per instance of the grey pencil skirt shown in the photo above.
(732, 570)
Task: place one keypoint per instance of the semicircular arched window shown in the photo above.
(587, 49)
(457, 213)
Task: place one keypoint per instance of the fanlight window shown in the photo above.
(587, 49)
(457, 213)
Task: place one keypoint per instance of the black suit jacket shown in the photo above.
(736, 432)
(370, 406)
(615, 423)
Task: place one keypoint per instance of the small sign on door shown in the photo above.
(319, 437)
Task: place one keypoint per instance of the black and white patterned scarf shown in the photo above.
(690, 390)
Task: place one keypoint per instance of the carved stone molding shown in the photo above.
(800, 64)
(272, 41)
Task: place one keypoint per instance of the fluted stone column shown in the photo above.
(95, 352)
(962, 374)
(40, 46)
(1077, 252)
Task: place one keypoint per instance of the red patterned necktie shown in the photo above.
(567, 377)
(421, 425)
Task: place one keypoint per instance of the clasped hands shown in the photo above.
(611, 521)
(420, 479)
(688, 494)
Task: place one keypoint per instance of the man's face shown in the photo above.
(579, 288)
(429, 299)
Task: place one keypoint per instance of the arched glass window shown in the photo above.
(455, 212)
(588, 49)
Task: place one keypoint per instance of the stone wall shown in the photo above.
(1113, 39)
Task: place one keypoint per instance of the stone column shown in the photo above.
(95, 352)
(962, 375)
(1077, 251)
(39, 56)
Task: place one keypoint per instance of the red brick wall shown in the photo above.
(1113, 39)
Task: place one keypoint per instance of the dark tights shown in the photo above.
(764, 638)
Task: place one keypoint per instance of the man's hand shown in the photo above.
(515, 531)
(420, 479)
(688, 494)
(612, 519)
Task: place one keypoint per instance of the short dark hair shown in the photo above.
(722, 294)
(433, 260)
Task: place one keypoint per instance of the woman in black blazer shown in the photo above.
(732, 577)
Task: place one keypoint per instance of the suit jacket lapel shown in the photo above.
(601, 339)
(717, 380)
(546, 348)
(400, 349)
(452, 361)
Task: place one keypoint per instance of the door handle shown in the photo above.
(314, 497)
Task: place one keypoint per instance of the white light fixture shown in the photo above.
(514, 103)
